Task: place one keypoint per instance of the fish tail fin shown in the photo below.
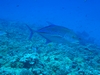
(31, 32)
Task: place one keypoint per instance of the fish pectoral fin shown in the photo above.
(47, 41)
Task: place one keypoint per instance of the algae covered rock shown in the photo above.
(29, 60)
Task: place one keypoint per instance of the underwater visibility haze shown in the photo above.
(49, 37)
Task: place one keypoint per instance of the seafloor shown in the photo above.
(20, 56)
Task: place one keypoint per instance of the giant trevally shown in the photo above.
(55, 33)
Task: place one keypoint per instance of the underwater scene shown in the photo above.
(49, 37)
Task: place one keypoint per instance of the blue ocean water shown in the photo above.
(35, 56)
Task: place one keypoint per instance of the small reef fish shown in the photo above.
(55, 33)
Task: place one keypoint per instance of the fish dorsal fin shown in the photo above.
(50, 24)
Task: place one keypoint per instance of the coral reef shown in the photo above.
(20, 56)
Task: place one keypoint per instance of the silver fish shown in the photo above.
(55, 33)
